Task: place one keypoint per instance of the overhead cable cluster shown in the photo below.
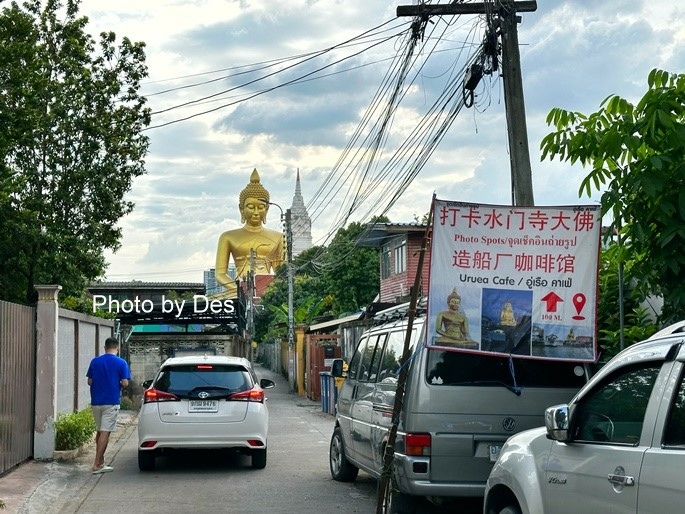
(373, 170)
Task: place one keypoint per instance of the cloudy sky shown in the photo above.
(305, 84)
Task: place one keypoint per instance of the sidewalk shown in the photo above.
(39, 487)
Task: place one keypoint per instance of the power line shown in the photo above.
(369, 155)
(413, 152)
(296, 80)
(251, 68)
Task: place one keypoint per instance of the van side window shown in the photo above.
(675, 426)
(390, 364)
(353, 368)
(448, 368)
(371, 358)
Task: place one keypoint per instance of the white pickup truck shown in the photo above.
(618, 446)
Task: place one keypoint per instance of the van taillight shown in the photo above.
(417, 444)
(155, 395)
(256, 394)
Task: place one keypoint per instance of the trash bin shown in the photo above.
(325, 377)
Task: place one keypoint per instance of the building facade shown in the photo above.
(400, 249)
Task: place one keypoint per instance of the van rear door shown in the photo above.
(472, 403)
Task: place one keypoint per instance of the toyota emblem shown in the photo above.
(509, 424)
(203, 394)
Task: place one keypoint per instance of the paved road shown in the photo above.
(296, 478)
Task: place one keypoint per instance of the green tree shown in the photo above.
(351, 273)
(70, 146)
(637, 325)
(636, 153)
(307, 290)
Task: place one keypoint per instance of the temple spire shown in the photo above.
(301, 223)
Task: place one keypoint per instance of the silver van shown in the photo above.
(458, 410)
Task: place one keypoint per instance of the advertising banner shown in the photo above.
(519, 281)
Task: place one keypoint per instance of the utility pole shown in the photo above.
(289, 256)
(507, 20)
(287, 220)
(251, 288)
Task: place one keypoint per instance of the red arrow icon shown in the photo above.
(552, 299)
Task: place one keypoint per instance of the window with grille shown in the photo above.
(400, 253)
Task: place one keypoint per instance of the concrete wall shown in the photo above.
(80, 338)
(65, 343)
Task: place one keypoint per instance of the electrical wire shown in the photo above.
(362, 171)
(299, 79)
(414, 151)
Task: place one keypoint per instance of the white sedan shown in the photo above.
(204, 402)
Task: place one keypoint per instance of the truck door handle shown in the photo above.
(621, 479)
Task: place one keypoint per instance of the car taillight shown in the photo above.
(155, 395)
(256, 394)
(417, 444)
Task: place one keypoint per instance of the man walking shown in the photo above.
(107, 374)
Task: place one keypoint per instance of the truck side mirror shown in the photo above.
(337, 368)
(557, 422)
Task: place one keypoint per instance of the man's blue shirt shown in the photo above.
(106, 372)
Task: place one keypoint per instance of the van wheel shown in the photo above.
(259, 458)
(342, 469)
(146, 460)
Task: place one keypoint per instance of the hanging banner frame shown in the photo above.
(519, 281)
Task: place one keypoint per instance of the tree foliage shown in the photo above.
(70, 146)
(333, 280)
(351, 273)
(637, 323)
(309, 297)
(636, 153)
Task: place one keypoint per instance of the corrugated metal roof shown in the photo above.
(375, 233)
(137, 284)
(335, 322)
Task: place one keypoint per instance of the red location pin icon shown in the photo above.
(579, 301)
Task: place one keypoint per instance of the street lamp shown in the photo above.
(286, 219)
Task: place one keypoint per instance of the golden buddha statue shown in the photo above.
(252, 247)
(452, 324)
(506, 315)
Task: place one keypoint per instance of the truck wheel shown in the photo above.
(342, 469)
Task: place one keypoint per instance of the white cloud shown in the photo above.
(573, 54)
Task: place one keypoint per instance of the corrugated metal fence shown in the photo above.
(17, 383)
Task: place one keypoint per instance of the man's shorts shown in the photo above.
(105, 417)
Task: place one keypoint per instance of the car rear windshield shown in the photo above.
(189, 378)
(460, 368)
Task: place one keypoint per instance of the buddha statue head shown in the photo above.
(453, 298)
(253, 202)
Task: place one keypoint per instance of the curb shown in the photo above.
(67, 455)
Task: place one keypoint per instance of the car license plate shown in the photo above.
(203, 406)
(494, 450)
